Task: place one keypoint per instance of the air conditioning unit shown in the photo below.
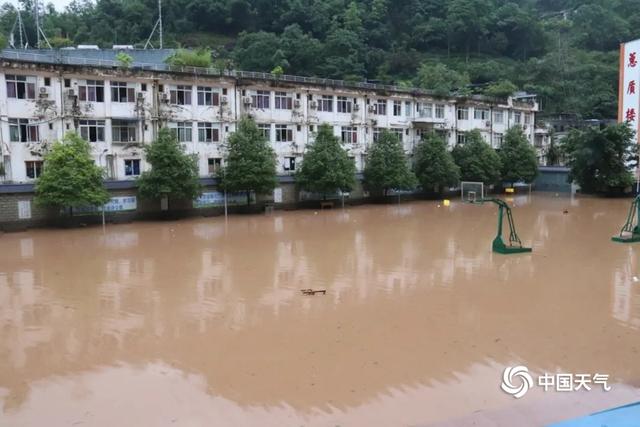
(224, 100)
(296, 103)
(246, 100)
(313, 104)
(43, 92)
(164, 97)
(487, 123)
(356, 107)
(71, 93)
(372, 108)
(140, 95)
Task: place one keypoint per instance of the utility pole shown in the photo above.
(158, 26)
(37, 12)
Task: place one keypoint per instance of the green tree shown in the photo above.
(387, 167)
(326, 167)
(518, 157)
(600, 159)
(440, 78)
(124, 59)
(70, 177)
(190, 58)
(173, 174)
(500, 89)
(251, 162)
(434, 165)
(477, 160)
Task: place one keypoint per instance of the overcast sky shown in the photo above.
(59, 4)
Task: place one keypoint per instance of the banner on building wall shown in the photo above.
(115, 204)
(216, 199)
(628, 95)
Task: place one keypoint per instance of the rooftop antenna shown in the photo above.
(21, 32)
(158, 26)
(39, 31)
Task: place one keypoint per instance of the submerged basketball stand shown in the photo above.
(499, 246)
(631, 229)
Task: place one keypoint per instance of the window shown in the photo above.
(381, 107)
(517, 117)
(132, 167)
(123, 130)
(498, 116)
(461, 138)
(21, 87)
(21, 130)
(91, 90)
(143, 87)
(527, 119)
(67, 82)
(284, 101)
(265, 128)
(207, 96)
(425, 110)
(183, 131)
(121, 93)
(376, 134)
(47, 81)
(207, 132)
(33, 168)
(214, 165)
(181, 95)
(289, 164)
(397, 132)
(260, 99)
(497, 140)
(326, 103)
(344, 104)
(439, 111)
(349, 134)
(480, 114)
(407, 109)
(463, 113)
(92, 130)
(283, 133)
(397, 108)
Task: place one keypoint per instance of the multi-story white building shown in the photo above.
(44, 94)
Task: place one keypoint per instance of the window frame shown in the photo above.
(284, 131)
(283, 100)
(380, 107)
(325, 104)
(344, 105)
(130, 170)
(349, 134)
(180, 95)
(261, 99)
(120, 127)
(25, 130)
(28, 84)
(91, 91)
(207, 96)
(87, 126)
(33, 168)
(121, 92)
(208, 132)
(183, 131)
(397, 108)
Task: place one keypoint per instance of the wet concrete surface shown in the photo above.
(202, 322)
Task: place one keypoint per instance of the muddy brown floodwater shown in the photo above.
(202, 323)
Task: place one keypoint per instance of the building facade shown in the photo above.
(43, 95)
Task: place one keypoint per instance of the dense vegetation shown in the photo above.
(173, 173)
(70, 177)
(564, 50)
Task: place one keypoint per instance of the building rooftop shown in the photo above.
(154, 60)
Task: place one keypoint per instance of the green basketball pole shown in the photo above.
(630, 231)
(498, 245)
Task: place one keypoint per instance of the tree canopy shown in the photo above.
(434, 165)
(387, 166)
(70, 178)
(553, 48)
(518, 157)
(601, 159)
(173, 174)
(326, 167)
(250, 162)
(477, 160)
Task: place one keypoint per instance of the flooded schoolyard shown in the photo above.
(202, 322)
